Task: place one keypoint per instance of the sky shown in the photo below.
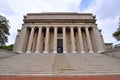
(107, 13)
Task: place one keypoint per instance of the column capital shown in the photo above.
(47, 27)
(31, 26)
(64, 27)
(55, 27)
(86, 27)
(40, 27)
(79, 26)
(23, 27)
(71, 27)
(95, 27)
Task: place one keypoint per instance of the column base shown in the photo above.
(73, 51)
(99, 51)
(45, 52)
(37, 52)
(82, 51)
(54, 51)
(19, 52)
(28, 52)
(64, 51)
(91, 52)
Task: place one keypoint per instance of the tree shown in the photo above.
(4, 30)
(116, 34)
(7, 47)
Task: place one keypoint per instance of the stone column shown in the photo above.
(80, 40)
(98, 40)
(38, 41)
(55, 40)
(72, 40)
(21, 40)
(46, 40)
(30, 41)
(89, 40)
(64, 40)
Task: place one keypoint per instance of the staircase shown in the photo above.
(61, 65)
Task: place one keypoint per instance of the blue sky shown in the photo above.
(107, 12)
(84, 4)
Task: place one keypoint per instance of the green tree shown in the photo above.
(4, 30)
(116, 34)
(7, 47)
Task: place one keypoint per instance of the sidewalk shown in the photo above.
(105, 77)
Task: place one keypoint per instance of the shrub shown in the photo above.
(7, 47)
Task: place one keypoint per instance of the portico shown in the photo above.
(50, 33)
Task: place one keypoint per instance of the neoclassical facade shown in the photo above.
(59, 33)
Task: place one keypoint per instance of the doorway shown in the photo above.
(59, 46)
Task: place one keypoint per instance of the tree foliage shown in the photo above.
(7, 47)
(4, 30)
(116, 34)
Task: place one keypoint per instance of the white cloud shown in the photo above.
(108, 27)
(22, 7)
(27, 6)
(108, 9)
(5, 8)
(107, 13)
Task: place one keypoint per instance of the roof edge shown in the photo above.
(59, 13)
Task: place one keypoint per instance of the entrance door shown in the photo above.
(59, 45)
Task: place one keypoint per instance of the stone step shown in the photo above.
(60, 64)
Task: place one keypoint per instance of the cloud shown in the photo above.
(22, 7)
(15, 22)
(108, 27)
(5, 8)
(26, 6)
(107, 15)
(109, 9)
(104, 10)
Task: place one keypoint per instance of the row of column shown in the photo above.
(82, 50)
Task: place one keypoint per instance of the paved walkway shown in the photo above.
(6, 54)
(115, 54)
(105, 77)
(59, 64)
